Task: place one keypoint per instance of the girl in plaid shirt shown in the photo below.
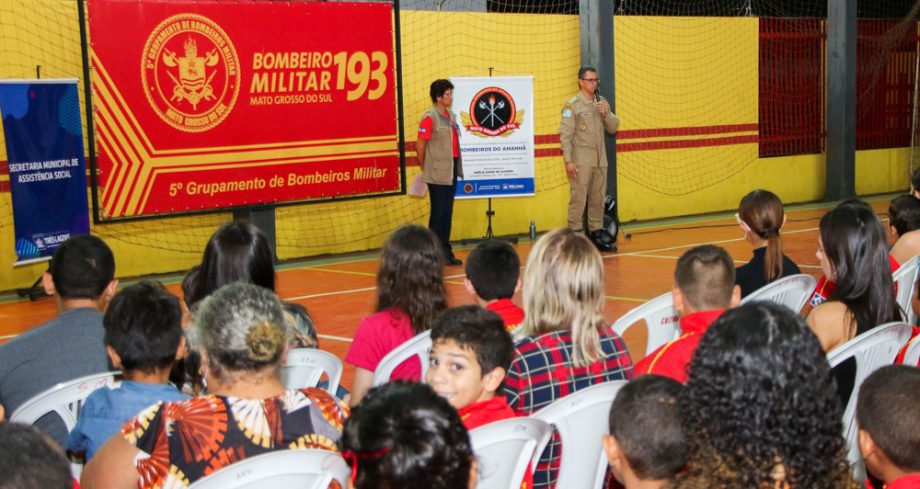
(567, 344)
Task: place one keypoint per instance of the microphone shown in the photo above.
(597, 97)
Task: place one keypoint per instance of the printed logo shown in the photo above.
(190, 72)
(492, 114)
(467, 188)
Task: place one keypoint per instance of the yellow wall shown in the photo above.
(671, 73)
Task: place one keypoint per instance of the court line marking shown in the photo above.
(344, 272)
(666, 257)
(691, 245)
(631, 299)
(334, 338)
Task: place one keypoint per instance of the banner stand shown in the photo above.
(489, 234)
(35, 292)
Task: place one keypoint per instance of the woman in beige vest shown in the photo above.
(438, 152)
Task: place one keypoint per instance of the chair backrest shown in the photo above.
(912, 353)
(64, 399)
(792, 291)
(305, 366)
(418, 346)
(905, 278)
(872, 350)
(284, 469)
(661, 319)
(504, 448)
(581, 420)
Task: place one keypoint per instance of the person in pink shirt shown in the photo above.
(410, 294)
(704, 287)
(889, 429)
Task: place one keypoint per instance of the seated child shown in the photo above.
(29, 459)
(403, 435)
(889, 428)
(904, 226)
(704, 287)
(646, 446)
(493, 273)
(143, 338)
(470, 354)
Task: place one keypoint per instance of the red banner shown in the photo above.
(204, 105)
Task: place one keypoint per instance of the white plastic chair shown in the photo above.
(912, 354)
(305, 366)
(872, 350)
(418, 346)
(284, 469)
(64, 400)
(661, 319)
(792, 291)
(581, 420)
(504, 448)
(905, 278)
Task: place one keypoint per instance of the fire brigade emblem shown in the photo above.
(190, 73)
(492, 114)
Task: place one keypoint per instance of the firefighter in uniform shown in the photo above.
(585, 117)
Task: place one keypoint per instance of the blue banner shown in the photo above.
(44, 147)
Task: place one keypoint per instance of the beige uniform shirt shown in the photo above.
(581, 131)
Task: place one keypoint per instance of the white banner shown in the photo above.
(496, 136)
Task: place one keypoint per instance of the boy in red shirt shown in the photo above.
(889, 428)
(493, 273)
(647, 445)
(704, 287)
(470, 354)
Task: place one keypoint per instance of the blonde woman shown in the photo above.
(567, 344)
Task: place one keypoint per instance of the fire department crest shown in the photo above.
(492, 114)
(190, 72)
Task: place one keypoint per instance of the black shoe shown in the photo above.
(454, 261)
(602, 242)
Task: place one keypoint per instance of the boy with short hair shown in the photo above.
(704, 287)
(493, 272)
(889, 428)
(143, 337)
(647, 445)
(469, 357)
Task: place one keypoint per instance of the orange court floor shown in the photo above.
(339, 291)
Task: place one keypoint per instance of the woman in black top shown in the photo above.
(761, 216)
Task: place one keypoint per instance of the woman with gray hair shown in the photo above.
(240, 332)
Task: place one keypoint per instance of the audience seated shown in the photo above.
(889, 428)
(759, 408)
(410, 294)
(904, 226)
(646, 446)
(853, 254)
(915, 183)
(237, 252)
(81, 278)
(703, 289)
(761, 217)
(239, 331)
(143, 338)
(567, 343)
(826, 285)
(240, 252)
(30, 460)
(404, 436)
(470, 354)
(492, 277)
